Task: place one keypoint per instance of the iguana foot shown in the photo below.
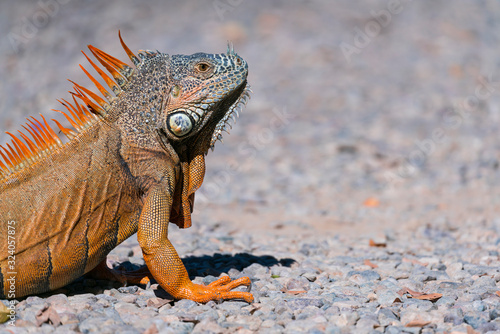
(139, 276)
(217, 290)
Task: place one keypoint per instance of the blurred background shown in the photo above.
(365, 115)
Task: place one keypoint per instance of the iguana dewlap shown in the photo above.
(132, 164)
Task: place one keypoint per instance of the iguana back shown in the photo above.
(132, 164)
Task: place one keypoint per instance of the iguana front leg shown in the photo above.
(164, 262)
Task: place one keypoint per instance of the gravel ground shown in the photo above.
(359, 189)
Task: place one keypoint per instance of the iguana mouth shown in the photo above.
(241, 97)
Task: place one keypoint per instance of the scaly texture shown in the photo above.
(132, 164)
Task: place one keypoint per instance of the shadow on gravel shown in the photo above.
(217, 264)
(206, 265)
(221, 263)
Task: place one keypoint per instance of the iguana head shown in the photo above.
(207, 89)
(191, 96)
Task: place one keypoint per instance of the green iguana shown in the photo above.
(132, 164)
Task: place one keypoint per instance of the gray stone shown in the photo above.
(476, 319)
(420, 305)
(445, 302)
(178, 327)
(127, 298)
(104, 325)
(495, 313)
(344, 303)
(299, 283)
(128, 289)
(112, 292)
(300, 326)
(411, 284)
(344, 319)
(68, 318)
(364, 276)
(58, 299)
(283, 318)
(402, 329)
(484, 281)
(489, 327)
(210, 315)
(478, 305)
(454, 316)
(282, 306)
(454, 268)
(280, 271)
(68, 328)
(388, 297)
(386, 317)
(256, 270)
(311, 275)
(367, 323)
(332, 329)
(390, 284)
(232, 306)
(126, 308)
(300, 303)
(185, 304)
(83, 298)
(35, 300)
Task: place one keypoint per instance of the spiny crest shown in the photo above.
(234, 109)
(86, 109)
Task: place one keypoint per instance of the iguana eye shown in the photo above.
(202, 67)
(179, 124)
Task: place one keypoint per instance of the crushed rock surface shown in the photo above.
(359, 189)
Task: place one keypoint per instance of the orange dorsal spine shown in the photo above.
(19, 154)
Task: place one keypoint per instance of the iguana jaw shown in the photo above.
(214, 121)
(242, 98)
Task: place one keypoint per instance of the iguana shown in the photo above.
(132, 164)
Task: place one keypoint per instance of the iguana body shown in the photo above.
(133, 165)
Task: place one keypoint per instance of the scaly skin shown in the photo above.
(132, 166)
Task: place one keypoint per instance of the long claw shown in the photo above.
(221, 281)
(218, 290)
